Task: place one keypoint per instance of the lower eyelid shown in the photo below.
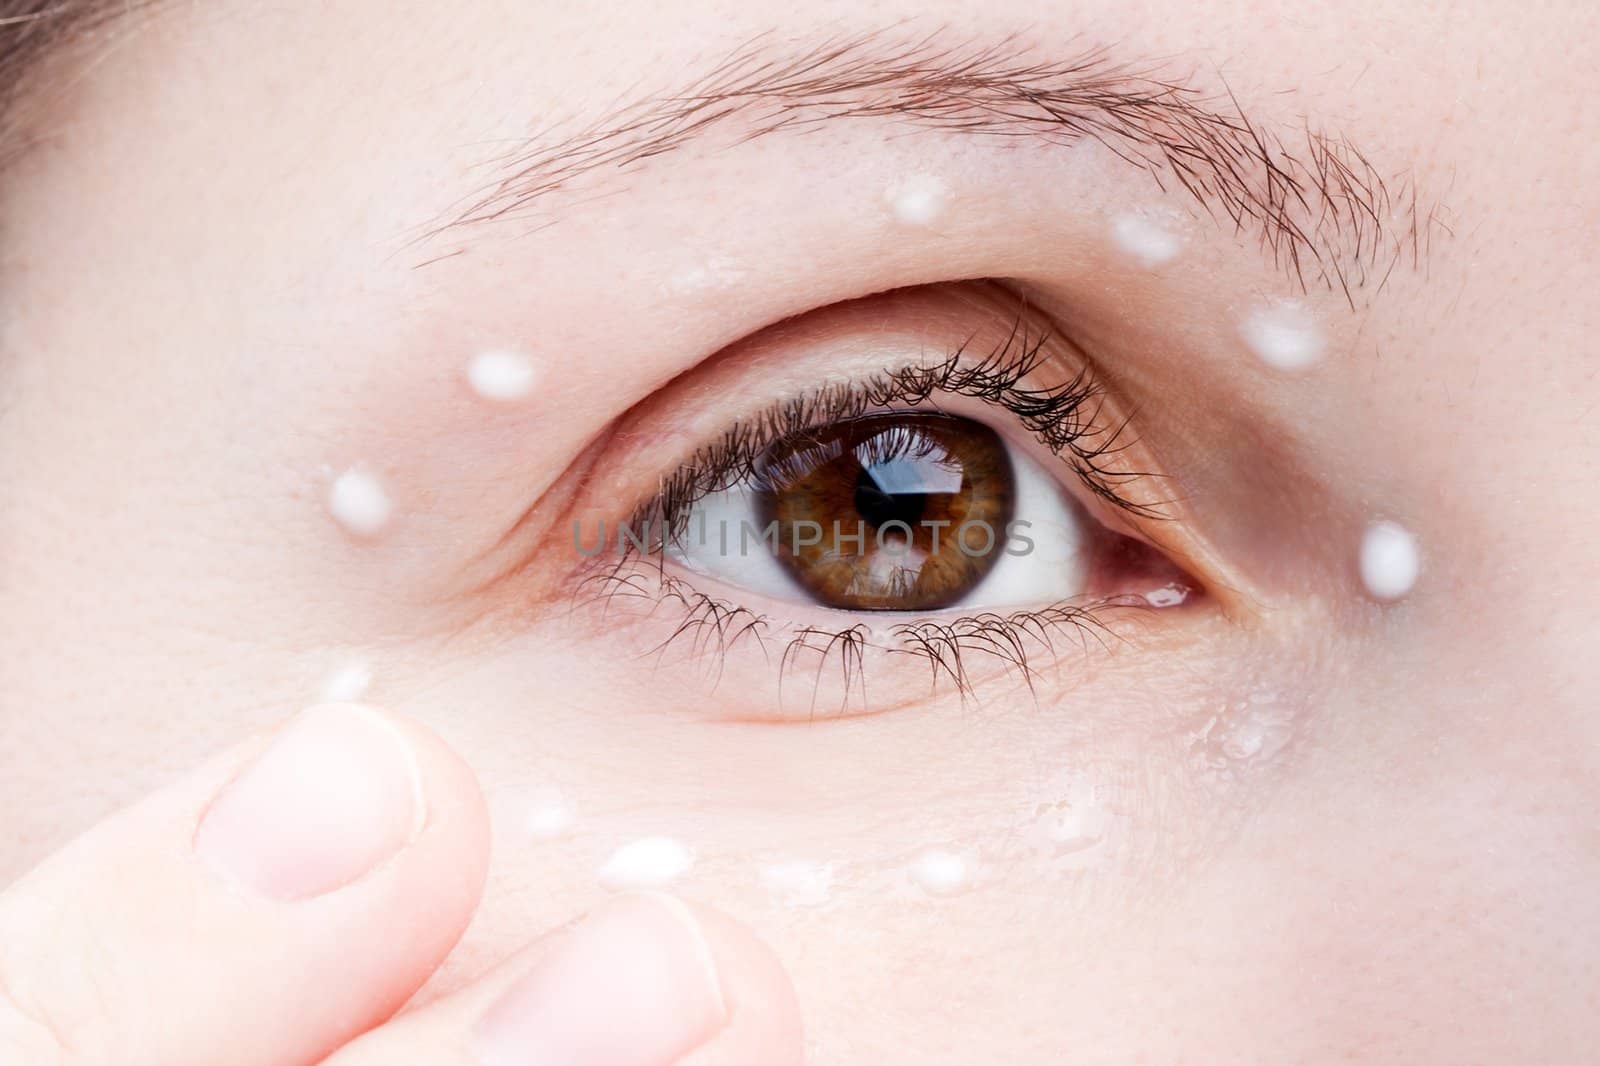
(836, 664)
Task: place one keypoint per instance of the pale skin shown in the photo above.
(1315, 828)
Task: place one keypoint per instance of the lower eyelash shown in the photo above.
(713, 627)
(1006, 636)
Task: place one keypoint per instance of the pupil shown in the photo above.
(878, 507)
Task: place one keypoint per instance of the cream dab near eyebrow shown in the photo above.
(1283, 335)
(1146, 238)
(502, 375)
(917, 200)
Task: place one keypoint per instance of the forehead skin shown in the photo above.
(223, 273)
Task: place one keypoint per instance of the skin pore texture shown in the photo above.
(1338, 808)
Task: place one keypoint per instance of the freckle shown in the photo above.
(798, 882)
(503, 376)
(1283, 335)
(916, 200)
(1390, 560)
(358, 502)
(348, 683)
(941, 873)
(550, 816)
(1145, 240)
(651, 862)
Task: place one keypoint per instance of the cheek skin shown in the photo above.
(1053, 806)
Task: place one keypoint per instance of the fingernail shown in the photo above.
(633, 984)
(335, 794)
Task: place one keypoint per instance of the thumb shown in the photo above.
(643, 980)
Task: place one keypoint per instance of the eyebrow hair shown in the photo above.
(1315, 202)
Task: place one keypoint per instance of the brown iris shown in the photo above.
(892, 512)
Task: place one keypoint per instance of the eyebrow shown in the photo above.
(1315, 202)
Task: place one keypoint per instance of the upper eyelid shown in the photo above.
(1065, 417)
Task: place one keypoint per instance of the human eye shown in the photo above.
(937, 480)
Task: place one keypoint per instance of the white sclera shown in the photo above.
(1390, 560)
(1145, 239)
(1049, 529)
(652, 862)
(502, 375)
(348, 683)
(941, 873)
(358, 502)
(917, 200)
(1169, 595)
(1283, 335)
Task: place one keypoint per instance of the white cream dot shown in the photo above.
(550, 816)
(941, 873)
(1073, 828)
(1145, 239)
(348, 683)
(651, 862)
(1283, 335)
(798, 882)
(358, 502)
(917, 200)
(1390, 560)
(502, 375)
(718, 272)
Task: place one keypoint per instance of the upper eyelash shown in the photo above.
(1064, 418)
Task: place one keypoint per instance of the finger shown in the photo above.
(645, 980)
(260, 913)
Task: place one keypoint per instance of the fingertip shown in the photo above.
(339, 793)
(321, 872)
(334, 794)
(455, 812)
(764, 1019)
